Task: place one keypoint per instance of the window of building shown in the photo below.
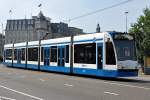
(85, 53)
(9, 26)
(26, 23)
(9, 54)
(17, 24)
(31, 21)
(110, 54)
(53, 54)
(67, 54)
(14, 25)
(21, 24)
(33, 54)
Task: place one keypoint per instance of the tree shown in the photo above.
(141, 32)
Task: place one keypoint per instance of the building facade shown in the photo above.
(39, 27)
(2, 38)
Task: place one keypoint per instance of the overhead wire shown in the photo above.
(99, 10)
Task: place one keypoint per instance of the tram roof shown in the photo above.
(85, 37)
(23, 44)
(56, 41)
(8, 45)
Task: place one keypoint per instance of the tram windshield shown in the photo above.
(125, 47)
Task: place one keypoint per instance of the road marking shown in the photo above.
(9, 73)
(23, 76)
(25, 94)
(125, 85)
(6, 98)
(68, 85)
(42, 80)
(111, 93)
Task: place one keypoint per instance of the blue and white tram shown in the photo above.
(55, 55)
(33, 57)
(108, 54)
(19, 50)
(8, 54)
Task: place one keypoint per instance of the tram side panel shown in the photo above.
(8, 57)
(95, 57)
(90, 59)
(85, 59)
(19, 58)
(15, 58)
(55, 58)
(32, 58)
(93, 54)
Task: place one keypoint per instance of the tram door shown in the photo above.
(19, 55)
(46, 56)
(100, 56)
(61, 56)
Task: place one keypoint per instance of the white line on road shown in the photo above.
(125, 85)
(42, 80)
(9, 73)
(111, 93)
(68, 85)
(25, 94)
(6, 98)
(23, 76)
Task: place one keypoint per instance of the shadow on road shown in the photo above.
(121, 79)
(128, 80)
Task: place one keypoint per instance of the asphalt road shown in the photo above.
(19, 84)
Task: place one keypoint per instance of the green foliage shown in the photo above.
(141, 31)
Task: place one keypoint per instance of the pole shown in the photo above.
(39, 54)
(1, 36)
(27, 40)
(2, 51)
(71, 55)
(126, 21)
(10, 14)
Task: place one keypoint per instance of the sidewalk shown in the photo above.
(143, 77)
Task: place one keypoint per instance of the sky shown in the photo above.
(62, 10)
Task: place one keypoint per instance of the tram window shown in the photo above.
(32, 54)
(19, 55)
(67, 54)
(126, 52)
(85, 53)
(110, 54)
(9, 54)
(63, 51)
(42, 52)
(23, 54)
(53, 54)
(100, 48)
(15, 54)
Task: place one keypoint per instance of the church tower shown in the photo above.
(98, 29)
(42, 25)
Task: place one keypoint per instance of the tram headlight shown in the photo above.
(120, 67)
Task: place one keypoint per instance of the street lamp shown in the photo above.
(126, 13)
